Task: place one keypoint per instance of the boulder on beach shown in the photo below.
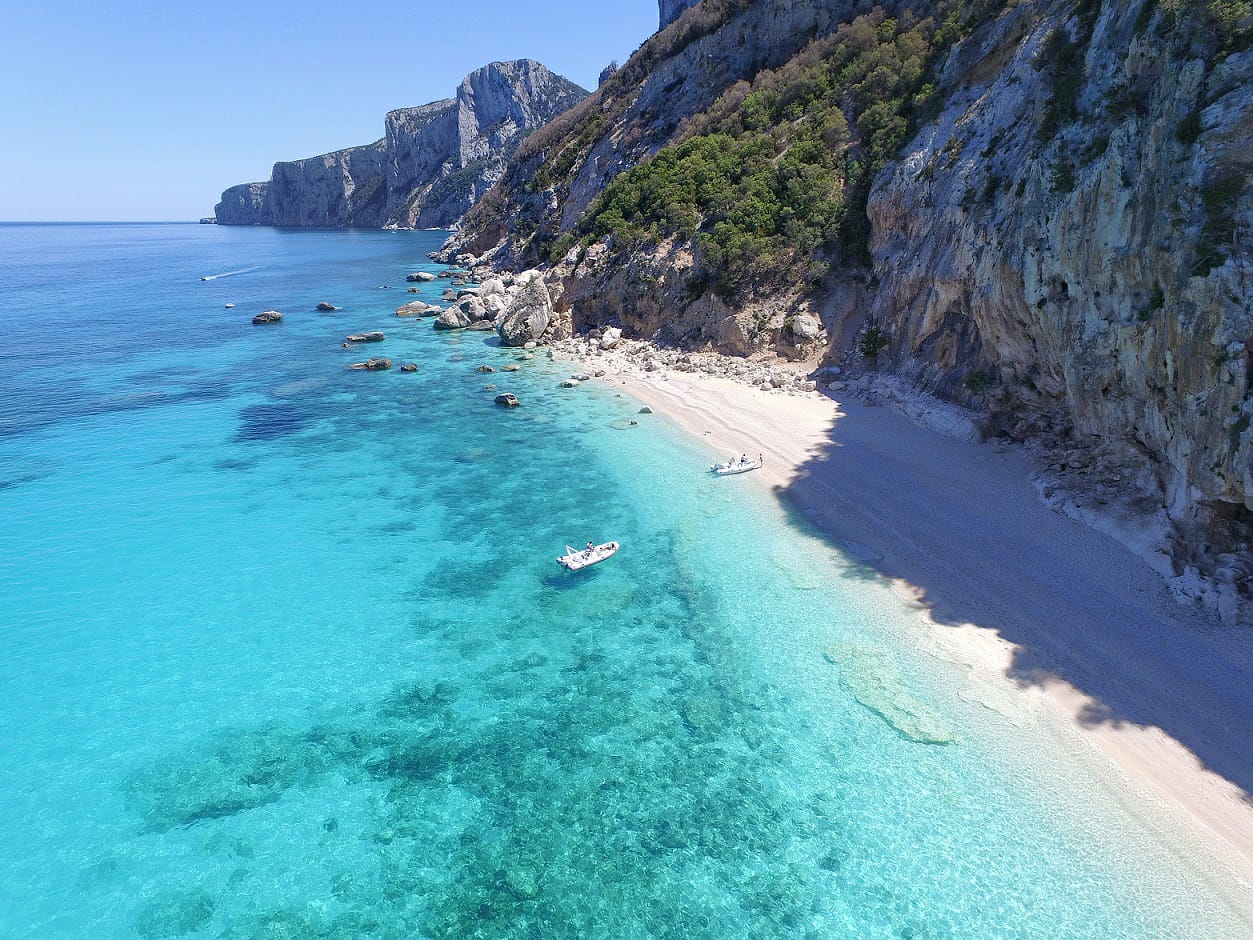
(420, 276)
(527, 316)
(325, 307)
(374, 336)
(610, 338)
(482, 326)
(805, 328)
(449, 294)
(267, 316)
(452, 319)
(373, 365)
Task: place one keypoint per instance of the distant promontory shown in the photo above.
(433, 164)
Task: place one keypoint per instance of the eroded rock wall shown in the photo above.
(1093, 285)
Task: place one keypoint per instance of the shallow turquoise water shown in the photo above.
(286, 653)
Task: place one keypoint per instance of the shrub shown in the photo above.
(778, 170)
(871, 342)
(1189, 128)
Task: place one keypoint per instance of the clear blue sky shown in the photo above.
(138, 109)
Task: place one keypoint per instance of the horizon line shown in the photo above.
(195, 221)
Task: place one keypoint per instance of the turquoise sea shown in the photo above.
(285, 652)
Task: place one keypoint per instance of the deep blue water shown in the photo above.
(285, 652)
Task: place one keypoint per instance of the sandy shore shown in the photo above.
(1050, 615)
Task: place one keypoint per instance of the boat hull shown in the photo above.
(729, 469)
(576, 561)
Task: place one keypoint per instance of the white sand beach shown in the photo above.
(1049, 614)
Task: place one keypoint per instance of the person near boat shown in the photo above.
(742, 464)
(594, 554)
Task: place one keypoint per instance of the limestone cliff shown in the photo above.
(1091, 282)
(1055, 230)
(431, 166)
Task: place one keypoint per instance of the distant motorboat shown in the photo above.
(741, 464)
(592, 555)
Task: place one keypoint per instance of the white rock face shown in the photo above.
(528, 315)
(432, 165)
(1069, 277)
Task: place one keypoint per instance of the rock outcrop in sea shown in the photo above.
(432, 165)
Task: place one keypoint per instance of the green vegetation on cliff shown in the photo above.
(777, 171)
(564, 143)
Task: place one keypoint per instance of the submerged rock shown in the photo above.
(874, 681)
(522, 882)
(420, 276)
(267, 316)
(175, 914)
(324, 307)
(507, 399)
(374, 336)
(408, 367)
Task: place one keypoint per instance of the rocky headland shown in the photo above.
(430, 167)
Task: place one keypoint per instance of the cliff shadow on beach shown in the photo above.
(962, 524)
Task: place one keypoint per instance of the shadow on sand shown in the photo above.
(963, 524)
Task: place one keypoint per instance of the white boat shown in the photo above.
(592, 555)
(741, 464)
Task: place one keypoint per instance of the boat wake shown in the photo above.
(214, 277)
